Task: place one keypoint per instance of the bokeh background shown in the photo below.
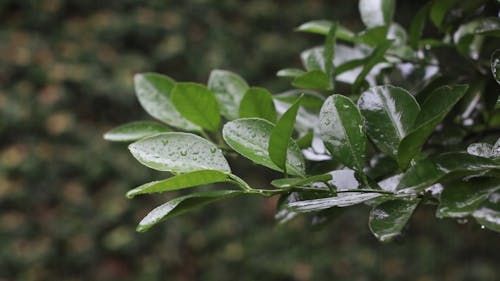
(66, 71)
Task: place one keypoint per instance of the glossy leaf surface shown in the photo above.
(228, 88)
(323, 26)
(134, 131)
(290, 72)
(495, 65)
(388, 219)
(250, 138)
(329, 202)
(181, 181)
(488, 213)
(258, 103)
(183, 204)
(281, 135)
(389, 114)
(432, 112)
(197, 104)
(315, 79)
(179, 153)
(376, 12)
(291, 182)
(342, 132)
(153, 91)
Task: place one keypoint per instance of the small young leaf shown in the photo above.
(388, 219)
(495, 65)
(342, 132)
(197, 104)
(290, 72)
(488, 213)
(291, 182)
(326, 203)
(389, 114)
(179, 153)
(439, 10)
(312, 59)
(183, 204)
(134, 131)
(153, 91)
(461, 198)
(250, 138)
(281, 135)
(433, 111)
(417, 25)
(258, 102)
(315, 79)
(228, 88)
(323, 26)
(376, 12)
(329, 54)
(181, 181)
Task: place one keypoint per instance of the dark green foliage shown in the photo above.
(398, 92)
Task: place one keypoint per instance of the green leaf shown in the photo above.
(376, 12)
(388, 219)
(323, 26)
(315, 79)
(417, 25)
(481, 149)
(312, 59)
(250, 138)
(228, 88)
(373, 36)
(184, 204)
(179, 153)
(306, 140)
(460, 198)
(375, 57)
(328, 55)
(197, 104)
(488, 213)
(433, 111)
(342, 132)
(292, 182)
(153, 91)
(290, 72)
(495, 65)
(258, 102)
(439, 10)
(310, 100)
(457, 164)
(181, 181)
(134, 131)
(345, 200)
(389, 114)
(281, 135)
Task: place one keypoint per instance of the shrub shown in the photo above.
(388, 116)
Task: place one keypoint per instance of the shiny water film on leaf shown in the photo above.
(134, 131)
(228, 88)
(388, 219)
(179, 153)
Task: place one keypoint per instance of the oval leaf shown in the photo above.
(315, 79)
(433, 111)
(389, 114)
(326, 203)
(197, 104)
(258, 102)
(281, 135)
(388, 219)
(153, 91)
(323, 26)
(183, 204)
(290, 72)
(342, 132)
(250, 138)
(134, 131)
(228, 88)
(376, 12)
(181, 181)
(179, 153)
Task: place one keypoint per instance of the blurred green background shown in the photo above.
(66, 71)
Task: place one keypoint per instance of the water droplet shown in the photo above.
(482, 226)
(165, 142)
(183, 152)
(213, 150)
(462, 221)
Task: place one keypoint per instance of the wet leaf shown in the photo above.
(250, 138)
(291, 182)
(439, 10)
(389, 114)
(329, 202)
(315, 79)
(433, 111)
(179, 153)
(153, 91)
(488, 213)
(290, 72)
(376, 12)
(134, 131)
(258, 102)
(417, 25)
(281, 135)
(375, 57)
(480, 149)
(328, 55)
(183, 204)
(388, 219)
(310, 100)
(181, 181)
(460, 198)
(342, 132)
(323, 26)
(197, 104)
(495, 65)
(228, 88)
